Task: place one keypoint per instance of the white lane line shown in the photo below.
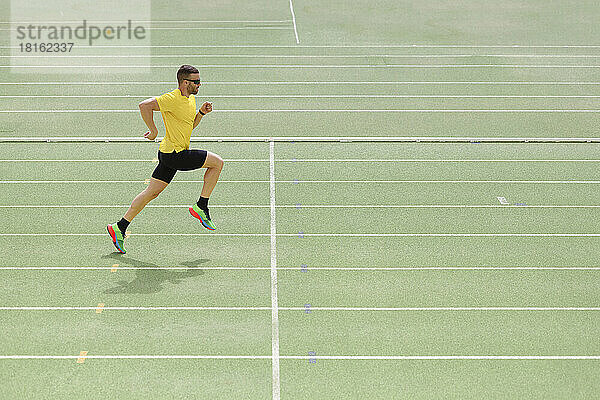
(216, 28)
(297, 42)
(195, 28)
(313, 181)
(429, 160)
(314, 66)
(148, 206)
(138, 268)
(319, 268)
(13, 357)
(338, 357)
(166, 308)
(441, 357)
(416, 268)
(126, 181)
(146, 234)
(321, 111)
(440, 181)
(261, 46)
(304, 139)
(128, 160)
(437, 308)
(274, 302)
(120, 83)
(294, 160)
(319, 96)
(194, 308)
(299, 206)
(178, 22)
(359, 235)
(50, 56)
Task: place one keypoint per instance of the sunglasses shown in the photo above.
(196, 81)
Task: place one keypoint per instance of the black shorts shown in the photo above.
(170, 163)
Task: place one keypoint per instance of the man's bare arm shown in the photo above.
(147, 107)
(206, 108)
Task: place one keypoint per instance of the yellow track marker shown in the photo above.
(146, 181)
(155, 160)
(81, 358)
(99, 309)
(127, 233)
(114, 268)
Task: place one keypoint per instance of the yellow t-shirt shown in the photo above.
(178, 114)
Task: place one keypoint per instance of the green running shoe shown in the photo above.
(203, 216)
(116, 236)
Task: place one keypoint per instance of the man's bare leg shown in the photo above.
(141, 200)
(213, 165)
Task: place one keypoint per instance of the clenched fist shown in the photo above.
(206, 107)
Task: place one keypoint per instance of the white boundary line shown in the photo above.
(318, 96)
(311, 269)
(295, 29)
(359, 235)
(356, 357)
(193, 308)
(274, 302)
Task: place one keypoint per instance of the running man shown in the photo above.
(178, 109)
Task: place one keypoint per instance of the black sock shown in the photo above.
(203, 203)
(123, 224)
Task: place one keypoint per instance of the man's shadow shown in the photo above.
(149, 281)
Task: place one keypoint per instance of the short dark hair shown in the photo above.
(185, 71)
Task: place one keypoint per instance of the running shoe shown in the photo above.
(203, 216)
(116, 236)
